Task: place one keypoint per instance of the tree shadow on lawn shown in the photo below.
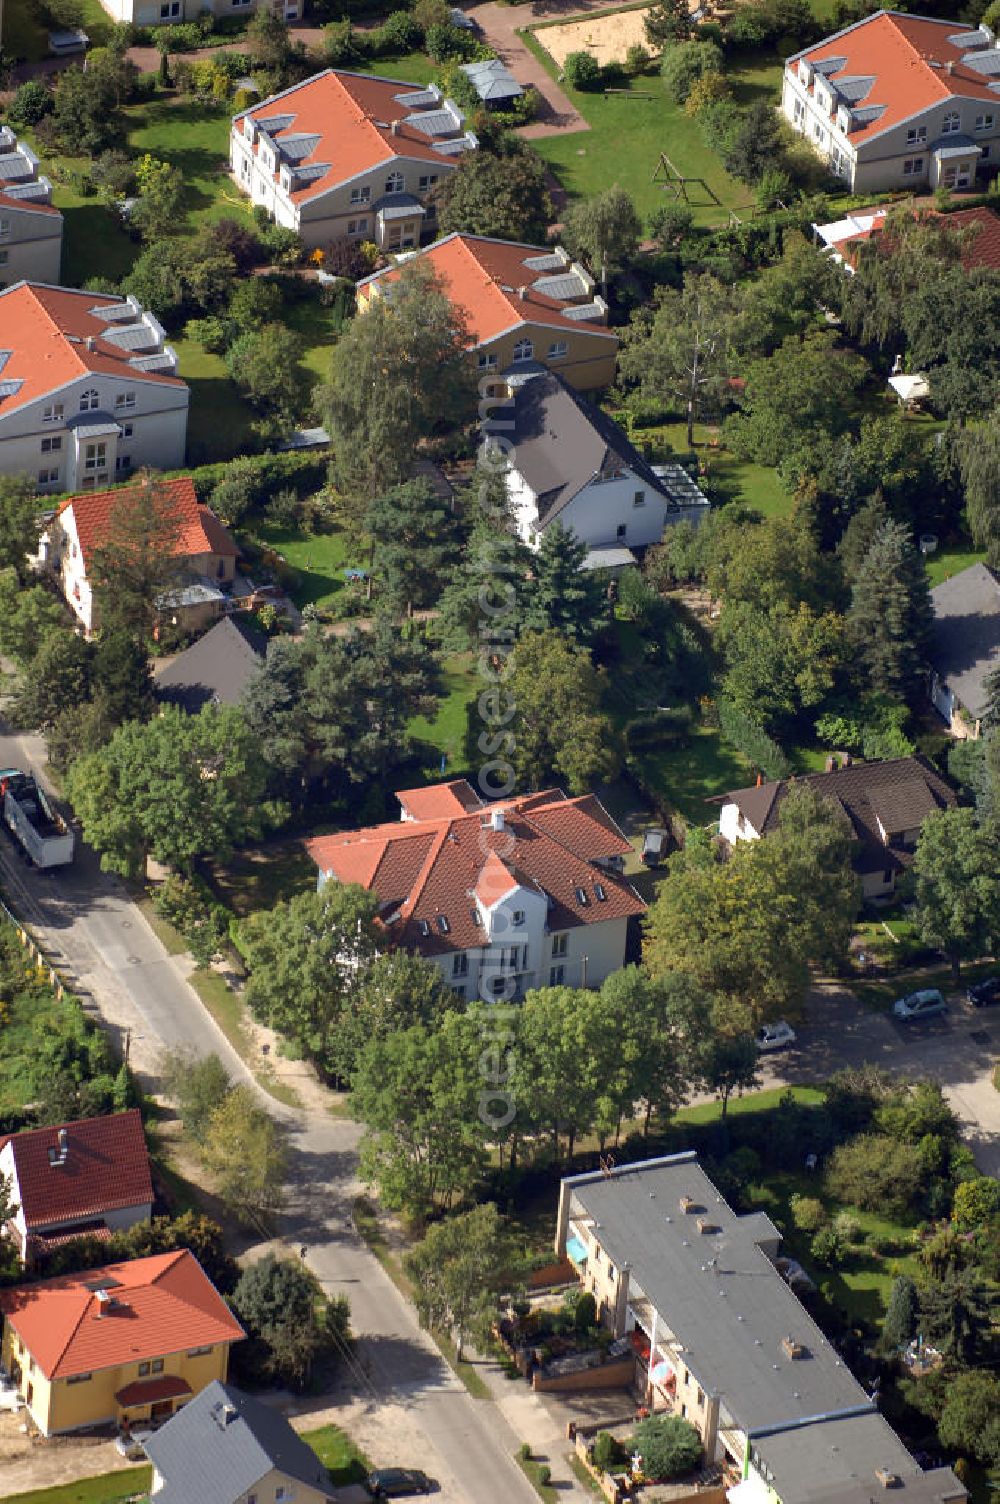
(95, 245)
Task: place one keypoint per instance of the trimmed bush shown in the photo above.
(808, 1213)
(752, 740)
(667, 1445)
(582, 71)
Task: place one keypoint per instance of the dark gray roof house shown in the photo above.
(570, 462)
(222, 1446)
(966, 642)
(493, 82)
(216, 669)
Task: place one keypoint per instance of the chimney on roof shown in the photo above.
(496, 819)
(229, 1413)
(91, 342)
(950, 65)
(394, 127)
(522, 293)
(63, 1143)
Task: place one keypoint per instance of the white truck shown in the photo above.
(39, 830)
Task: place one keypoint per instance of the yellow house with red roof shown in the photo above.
(526, 308)
(349, 156)
(122, 1344)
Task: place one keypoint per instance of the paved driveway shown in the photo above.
(499, 24)
(959, 1050)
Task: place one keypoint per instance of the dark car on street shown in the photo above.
(397, 1482)
(983, 994)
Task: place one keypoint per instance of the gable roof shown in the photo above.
(860, 225)
(28, 205)
(562, 443)
(105, 1167)
(966, 638)
(216, 669)
(426, 870)
(500, 285)
(335, 126)
(900, 793)
(199, 530)
(158, 1305)
(890, 67)
(220, 1444)
(457, 797)
(54, 335)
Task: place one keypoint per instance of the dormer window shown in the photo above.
(952, 122)
(395, 183)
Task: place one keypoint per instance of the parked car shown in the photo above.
(776, 1036)
(654, 843)
(924, 1004)
(397, 1482)
(131, 1444)
(982, 994)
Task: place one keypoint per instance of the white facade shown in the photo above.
(118, 1220)
(30, 229)
(173, 12)
(86, 433)
(734, 826)
(621, 509)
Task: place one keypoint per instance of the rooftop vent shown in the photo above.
(496, 819)
(791, 1348)
(887, 1478)
(706, 1225)
(686, 1204)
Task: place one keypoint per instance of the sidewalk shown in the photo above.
(528, 1417)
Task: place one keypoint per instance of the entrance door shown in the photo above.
(161, 1410)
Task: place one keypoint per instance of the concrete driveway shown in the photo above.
(959, 1050)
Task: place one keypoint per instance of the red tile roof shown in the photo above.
(900, 53)
(490, 284)
(46, 330)
(199, 532)
(160, 1305)
(106, 1167)
(167, 1386)
(422, 869)
(28, 205)
(352, 114)
(455, 798)
(983, 248)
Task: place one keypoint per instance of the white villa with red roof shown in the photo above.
(527, 308)
(521, 893)
(31, 228)
(88, 389)
(87, 1178)
(349, 155)
(898, 101)
(203, 546)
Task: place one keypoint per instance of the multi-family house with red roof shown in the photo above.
(31, 227)
(521, 893)
(88, 388)
(525, 309)
(900, 102)
(124, 1344)
(349, 156)
(204, 550)
(169, 12)
(88, 1178)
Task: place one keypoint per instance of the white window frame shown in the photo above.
(560, 944)
(558, 348)
(913, 167)
(524, 351)
(53, 412)
(916, 135)
(952, 123)
(124, 402)
(90, 400)
(361, 195)
(486, 360)
(95, 455)
(983, 123)
(395, 183)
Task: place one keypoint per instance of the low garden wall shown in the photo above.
(614, 1375)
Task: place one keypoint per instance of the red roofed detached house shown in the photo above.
(88, 389)
(505, 897)
(84, 522)
(899, 101)
(526, 308)
(349, 155)
(31, 227)
(845, 237)
(90, 1177)
(125, 1343)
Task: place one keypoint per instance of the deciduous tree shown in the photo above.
(278, 1302)
(499, 190)
(457, 1271)
(244, 1153)
(604, 231)
(957, 885)
(559, 731)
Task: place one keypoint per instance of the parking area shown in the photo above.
(959, 1049)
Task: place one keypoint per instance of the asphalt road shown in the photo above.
(101, 943)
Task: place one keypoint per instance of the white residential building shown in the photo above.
(899, 102)
(349, 156)
(88, 389)
(572, 464)
(30, 227)
(505, 897)
(173, 12)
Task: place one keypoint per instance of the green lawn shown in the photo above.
(588, 162)
(692, 769)
(318, 561)
(754, 1101)
(218, 419)
(108, 1488)
(414, 67)
(193, 136)
(445, 730)
(258, 879)
(727, 477)
(951, 560)
(345, 1462)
